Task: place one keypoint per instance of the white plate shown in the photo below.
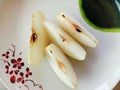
(100, 71)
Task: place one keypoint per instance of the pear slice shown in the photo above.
(76, 30)
(38, 39)
(61, 65)
(68, 45)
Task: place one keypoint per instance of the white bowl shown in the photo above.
(100, 70)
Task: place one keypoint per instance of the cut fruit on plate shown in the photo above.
(76, 30)
(68, 45)
(38, 39)
(61, 65)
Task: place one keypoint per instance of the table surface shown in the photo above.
(117, 86)
(3, 88)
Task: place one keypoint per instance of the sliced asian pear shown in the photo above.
(68, 45)
(61, 65)
(38, 39)
(76, 30)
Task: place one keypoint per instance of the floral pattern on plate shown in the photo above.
(15, 68)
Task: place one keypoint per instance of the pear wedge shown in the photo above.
(38, 39)
(61, 65)
(76, 30)
(68, 45)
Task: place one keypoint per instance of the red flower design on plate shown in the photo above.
(28, 73)
(6, 55)
(21, 78)
(17, 75)
(17, 63)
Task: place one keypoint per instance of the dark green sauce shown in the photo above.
(103, 15)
